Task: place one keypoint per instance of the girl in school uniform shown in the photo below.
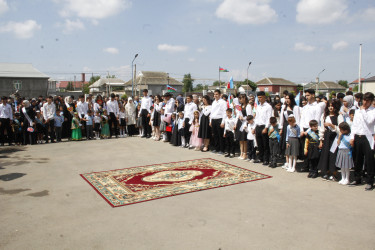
(122, 117)
(205, 132)
(240, 132)
(76, 128)
(105, 133)
(292, 143)
(344, 159)
(329, 129)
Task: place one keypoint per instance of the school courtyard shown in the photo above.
(46, 204)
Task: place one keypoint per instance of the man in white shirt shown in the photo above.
(217, 117)
(169, 108)
(189, 109)
(146, 103)
(49, 110)
(311, 111)
(6, 119)
(262, 122)
(113, 113)
(362, 141)
(82, 108)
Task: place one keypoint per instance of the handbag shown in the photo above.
(168, 128)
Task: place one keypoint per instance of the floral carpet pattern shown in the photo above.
(139, 184)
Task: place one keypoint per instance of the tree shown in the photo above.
(200, 87)
(217, 83)
(188, 83)
(69, 86)
(252, 84)
(343, 83)
(355, 89)
(299, 87)
(86, 88)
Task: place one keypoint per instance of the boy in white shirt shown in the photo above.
(250, 129)
(229, 124)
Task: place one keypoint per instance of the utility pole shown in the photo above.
(360, 68)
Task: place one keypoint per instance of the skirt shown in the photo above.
(122, 122)
(240, 135)
(205, 131)
(327, 159)
(344, 160)
(105, 133)
(76, 134)
(293, 149)
(162, 126)
(156, 122)
(96, 127)
(139, 122)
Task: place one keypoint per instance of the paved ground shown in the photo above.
(45, 204)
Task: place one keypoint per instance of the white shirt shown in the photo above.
(189, 110)
(97, 119)
(363, 124)
(96, 107)
(158, 107)
(284, 115)
(218, 110)
(82, 108)
(112, 107)
(263, 114)
(49, 111)
(169, 106)
(311, 111)
(206, 110)
(249, 129)
(122, 115)
(6, 111)
(230, 123)
(146, 103)
(322, 128)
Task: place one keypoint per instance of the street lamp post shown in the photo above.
(247, 78)
(133, 76)
(317, 81)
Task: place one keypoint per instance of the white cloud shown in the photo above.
(22, 30)
(321, 11)
(339, 45)
(191, 59)
(201, 50)
(123, 72)
(369, 14)
(303, 47)
(111, 50)
(247, 11)
(172, 48)
(3, 6)
(70, 26)
(93, 9)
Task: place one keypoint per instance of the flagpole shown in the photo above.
(360, 68)
(219, 79)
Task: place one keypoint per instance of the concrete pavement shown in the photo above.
(45, 204)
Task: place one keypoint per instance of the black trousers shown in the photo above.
(58, 131)
(218, 132)
(5, 125)
(263, 143)
(251, 152)
(229, 142)
(362, 153)
(146, 122)
(187, 133)
(274, 149)
(312, 165)
(131, 130)
(89, 132)
(302, 150)
(50, 126)
(112, 121)
(83, 127)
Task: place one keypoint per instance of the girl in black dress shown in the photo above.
(240, 133)
(328, 131)
(204, 126)
(157, 120)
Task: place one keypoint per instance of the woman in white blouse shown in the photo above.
(130, 111)
(205, 131)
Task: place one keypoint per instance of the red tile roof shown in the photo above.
(64, 84)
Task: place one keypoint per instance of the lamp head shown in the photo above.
(135, 55)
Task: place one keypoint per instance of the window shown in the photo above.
(17, 85)
(266, 89)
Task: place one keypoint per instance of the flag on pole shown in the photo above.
(231, 82)
(297, 98)
(256, 103)
(223, 70)
(170, 88)
(230, 101)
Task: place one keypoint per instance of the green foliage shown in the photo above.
(355, 89)
(93, 79)
(299, 87)
(70, 86)
(200, 87)
(188, 83)
(125, 97)
(86, 89)
(217, 83)
(331, 94)
(343, 83)
(252, 84)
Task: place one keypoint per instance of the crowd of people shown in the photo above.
(326, 135)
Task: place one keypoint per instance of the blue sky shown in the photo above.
(292, 39)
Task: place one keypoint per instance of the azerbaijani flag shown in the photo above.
(170, 88)
(223, 70)
(230, 83)
(256, 103)
(230, 100)
(297, 98)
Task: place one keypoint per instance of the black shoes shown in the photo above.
(355, 183)
(310, 175)
(231, 156)
(266, 163)
(273, 165)
(369, 187)
(227, 155)
(258, 161)
(314, 175)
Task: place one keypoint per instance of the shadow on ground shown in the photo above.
(11, 177)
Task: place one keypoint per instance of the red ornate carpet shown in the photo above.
(138, 184)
